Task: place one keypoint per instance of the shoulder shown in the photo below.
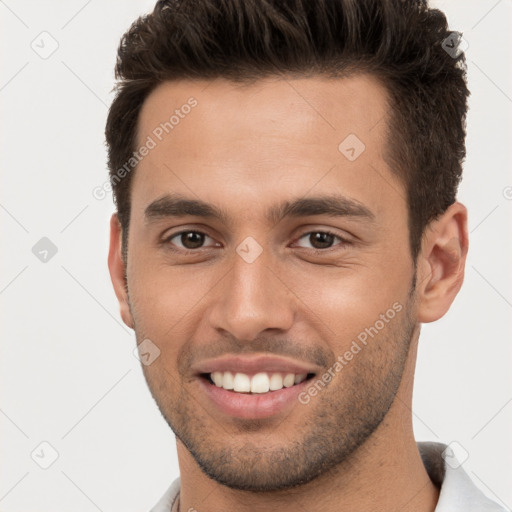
(167, 500)
(457, 491)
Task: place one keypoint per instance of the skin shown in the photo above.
(245, 149)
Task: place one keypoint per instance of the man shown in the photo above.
(285, 175)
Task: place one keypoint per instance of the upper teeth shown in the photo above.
(259, 383)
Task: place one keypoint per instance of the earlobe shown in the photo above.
(441, 263)
(117, 269)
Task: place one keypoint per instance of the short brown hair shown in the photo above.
(401, 42)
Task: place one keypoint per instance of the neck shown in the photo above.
(386, 473)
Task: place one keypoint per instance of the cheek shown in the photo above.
(165, 299)
(343, 304)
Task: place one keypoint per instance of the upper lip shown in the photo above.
(254, 364)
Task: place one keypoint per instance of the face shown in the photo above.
(264, 243)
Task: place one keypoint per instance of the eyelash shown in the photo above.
(186, 252)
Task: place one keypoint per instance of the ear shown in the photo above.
(441, 263)
(117, 269)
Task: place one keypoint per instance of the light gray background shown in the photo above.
(68, 373)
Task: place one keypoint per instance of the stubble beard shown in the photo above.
(335, 424)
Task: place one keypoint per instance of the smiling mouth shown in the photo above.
(258, 383)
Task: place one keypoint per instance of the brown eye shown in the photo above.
(192, 239)
(188, 240)
(321, 239)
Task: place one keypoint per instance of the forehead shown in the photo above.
(306, 107)
(289, 135)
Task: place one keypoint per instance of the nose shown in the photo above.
(251, 298)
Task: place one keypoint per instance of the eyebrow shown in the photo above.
(176, 205)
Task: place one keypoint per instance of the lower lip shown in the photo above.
(253, 406)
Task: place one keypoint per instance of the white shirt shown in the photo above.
(458, 492)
